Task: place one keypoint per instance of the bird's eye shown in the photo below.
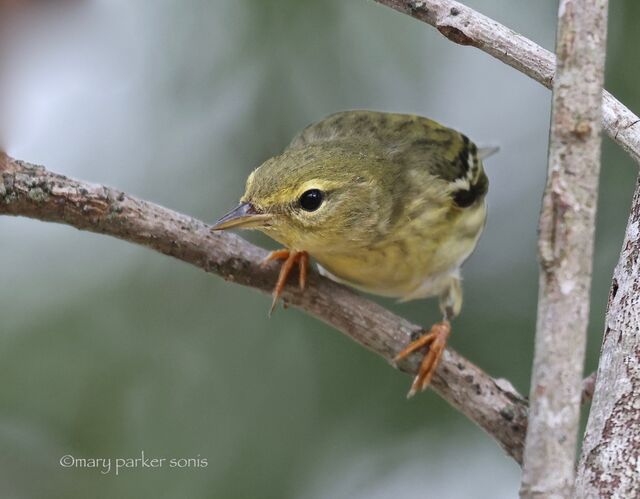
(311, 200)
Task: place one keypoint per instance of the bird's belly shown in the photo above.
(429, 285)
(407, 271)
(390, 273)
(371, 279)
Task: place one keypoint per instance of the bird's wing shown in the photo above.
(409, 140)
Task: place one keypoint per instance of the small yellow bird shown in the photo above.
(391, 204)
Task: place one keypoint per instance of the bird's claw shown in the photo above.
(290, 258)
(436, 340)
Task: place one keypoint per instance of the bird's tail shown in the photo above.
(485, 152)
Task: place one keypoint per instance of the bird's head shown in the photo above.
(317, 198)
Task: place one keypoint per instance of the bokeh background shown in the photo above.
(108, 349)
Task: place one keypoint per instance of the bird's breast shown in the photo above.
(416, 262)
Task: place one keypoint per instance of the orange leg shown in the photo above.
(436, 341)
(281, 254)
(290, 258)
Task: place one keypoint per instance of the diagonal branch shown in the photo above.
(465, 26)
(31, 191)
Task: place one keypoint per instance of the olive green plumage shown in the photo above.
(402, 202)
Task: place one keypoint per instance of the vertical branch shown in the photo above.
(611, 448)
(566, 235)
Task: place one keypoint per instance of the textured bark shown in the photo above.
(566, 238)
(465, 26)
(611, 447)
(31, 191)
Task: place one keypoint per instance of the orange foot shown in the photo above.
(436, 341)
(290, 257)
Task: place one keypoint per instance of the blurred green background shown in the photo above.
(108, 349)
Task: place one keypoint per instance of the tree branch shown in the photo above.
(565, 248)
(611, 447)
(31, 191)
(465, 26)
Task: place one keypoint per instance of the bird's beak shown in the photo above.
(243, 216)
